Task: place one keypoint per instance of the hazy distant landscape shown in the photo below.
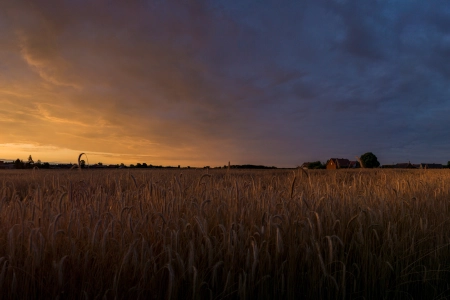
(224, 234)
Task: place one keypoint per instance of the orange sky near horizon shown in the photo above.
(202, 83)
(72, 83)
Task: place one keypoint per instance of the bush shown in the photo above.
(369, 160)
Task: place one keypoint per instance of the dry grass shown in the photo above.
(226, 234)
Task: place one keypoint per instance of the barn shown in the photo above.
(337, 163)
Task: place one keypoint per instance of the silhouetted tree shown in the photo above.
(19, 164)
(316, 165)
(369, 160)
(29, 163)
(144, 165)
(82, 163)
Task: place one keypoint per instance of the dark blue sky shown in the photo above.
(207, 82)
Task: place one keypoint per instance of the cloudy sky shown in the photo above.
(206, 82)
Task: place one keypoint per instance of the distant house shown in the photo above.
(354, 164)
(337, 163)
(407, 165)
(388, 166)
(4, 165)
(430, 166)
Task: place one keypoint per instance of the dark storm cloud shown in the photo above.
(210, 81)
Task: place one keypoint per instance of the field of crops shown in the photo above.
(218, 234)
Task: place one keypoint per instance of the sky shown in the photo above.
(207, 82)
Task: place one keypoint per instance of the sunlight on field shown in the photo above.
(216, 234)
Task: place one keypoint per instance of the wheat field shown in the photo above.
(218, 234)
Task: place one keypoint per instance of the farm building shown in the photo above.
(337, 163)
(430, 166)
(407, 165)
(388, 166)
(4, 165)
(354, 164)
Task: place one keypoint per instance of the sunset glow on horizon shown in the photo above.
(196, 83)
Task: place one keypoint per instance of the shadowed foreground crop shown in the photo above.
(218, 235)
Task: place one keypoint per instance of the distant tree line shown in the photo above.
(249, 167)
(144, 166)
(29, 164)
(367, 160)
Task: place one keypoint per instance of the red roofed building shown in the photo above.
(354, 164)
(337, 163)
